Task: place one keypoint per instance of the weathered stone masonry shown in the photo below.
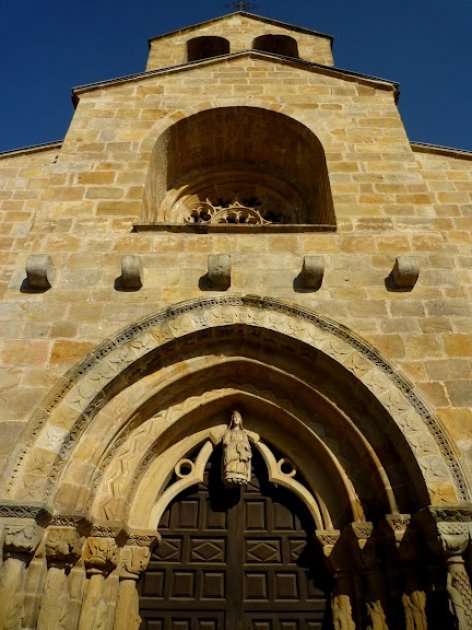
(248, 228)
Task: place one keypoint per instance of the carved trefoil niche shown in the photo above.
(243, 166)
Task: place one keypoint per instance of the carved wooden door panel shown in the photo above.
(234, 560)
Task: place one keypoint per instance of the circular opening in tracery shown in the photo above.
(184, 468)
(287, 468)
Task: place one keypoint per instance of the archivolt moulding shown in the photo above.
(54, 429)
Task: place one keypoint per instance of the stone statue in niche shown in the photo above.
(236, 453)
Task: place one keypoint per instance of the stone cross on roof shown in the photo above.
(241, 5)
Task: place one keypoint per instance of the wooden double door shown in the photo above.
(235, 560)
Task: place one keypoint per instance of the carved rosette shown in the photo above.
(100, 555)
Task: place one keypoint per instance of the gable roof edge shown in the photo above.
(261, 18)
(33, 148)
(437, 149)
(255, 54)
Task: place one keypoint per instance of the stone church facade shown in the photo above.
(236, 351)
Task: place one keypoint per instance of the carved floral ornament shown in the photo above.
(234, 212)
(76, 400)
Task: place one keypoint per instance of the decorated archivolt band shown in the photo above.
(57, 425)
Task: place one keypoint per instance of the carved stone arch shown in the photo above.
(197, 175)
(205, 47)
(60, 426)
(278, 44)
(236, 547)
(194, 474)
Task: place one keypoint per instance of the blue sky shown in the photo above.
(49, 46)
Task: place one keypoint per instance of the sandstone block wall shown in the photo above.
(389, 200)
(240, 30)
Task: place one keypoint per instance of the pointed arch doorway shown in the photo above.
(235, 560)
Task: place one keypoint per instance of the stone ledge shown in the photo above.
(201, 228)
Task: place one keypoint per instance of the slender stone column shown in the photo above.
(448, 531)
(100, 556)
(406, 546)
(455, 541)
(20, 543)
(341, 597)
(63, 548)
(134, 561)
(365, 553)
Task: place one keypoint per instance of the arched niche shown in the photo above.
(278, 44)
(365, 442)
(206, 47)
(238, 165)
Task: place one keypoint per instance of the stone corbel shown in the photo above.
(131, 273)
(40, 272)
(311, 276)
(405, 273)
(219, 272)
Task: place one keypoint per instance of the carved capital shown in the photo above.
(401, 537)
(22, 537)
(448, 529)
(361, 532)
(454, 538)
(361, 536)
(100, 555)
(397, 525)
(328, 538)
(144, 538)
(134, 561)
(63, 545)
(330, 544)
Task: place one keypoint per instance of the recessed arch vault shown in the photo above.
(238, 164)
(363, 440)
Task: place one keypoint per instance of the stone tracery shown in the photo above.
(141, 449)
